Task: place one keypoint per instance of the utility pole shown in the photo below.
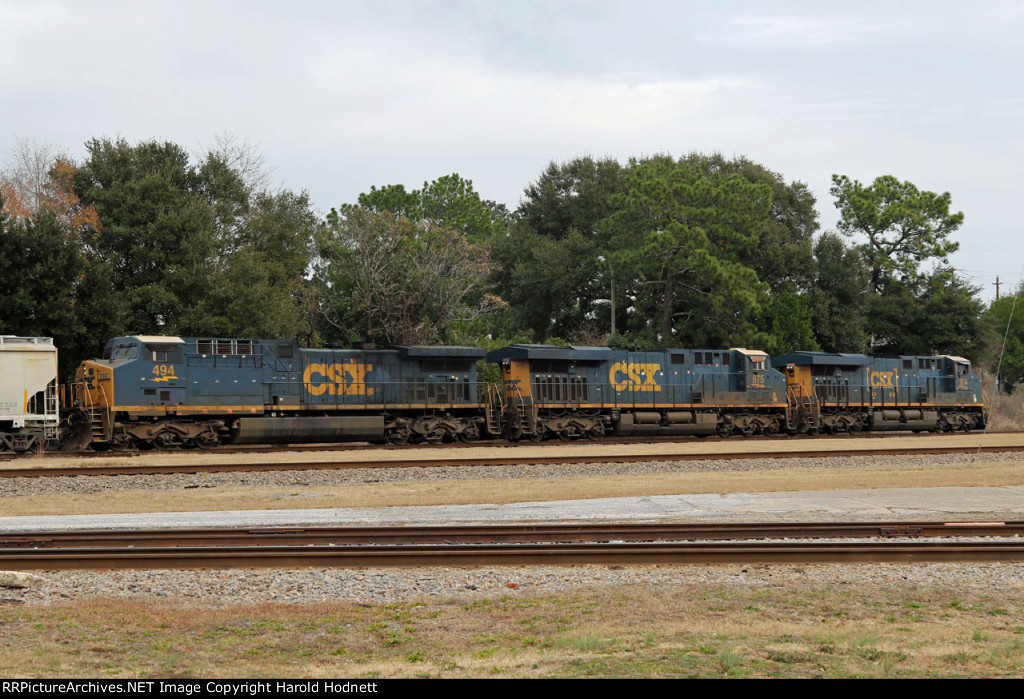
(996, 285)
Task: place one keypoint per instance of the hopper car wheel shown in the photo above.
(166, 440)
(536, 437)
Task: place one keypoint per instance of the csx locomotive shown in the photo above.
(169, 392)
(593, 391)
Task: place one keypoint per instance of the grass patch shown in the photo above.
(612, 632)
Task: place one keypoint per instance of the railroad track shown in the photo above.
(605, 544)
(555, 454)
(355, 447)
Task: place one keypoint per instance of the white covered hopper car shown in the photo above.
(29, 408)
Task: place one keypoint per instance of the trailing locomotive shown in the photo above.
(572, 392)
(854, 392)
(168, 392)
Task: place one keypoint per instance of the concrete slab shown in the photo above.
(1005, 503)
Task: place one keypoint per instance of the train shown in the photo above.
(169, 392)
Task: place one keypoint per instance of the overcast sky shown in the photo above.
(343, 95)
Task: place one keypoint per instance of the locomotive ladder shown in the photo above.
(802, 409)
(493, 409)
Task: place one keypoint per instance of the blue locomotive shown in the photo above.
(854, 392)
(170, 391)
(572, 392)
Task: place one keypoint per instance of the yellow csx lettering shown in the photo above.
(882, 379)
(342, 379)
(634, 377)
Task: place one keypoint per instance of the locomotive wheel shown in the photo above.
(434, 436)
(208, 440)
(166, 440)
(596, 432)
(121, 442)
(470, 434)
(724, 431)
(749, 430)
(399, 435)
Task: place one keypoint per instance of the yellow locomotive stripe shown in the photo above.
(662, 406)
(250, 409)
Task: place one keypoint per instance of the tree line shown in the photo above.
(654, 252)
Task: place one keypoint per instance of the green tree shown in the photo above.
(682, 235)
(839, 297)
(390, 280)
(261, 284)
(159, 229)
(196, 248)
(448, 201)
(935, 314)
(783, 258)
(786, 319)
(393, 198)
(49, 286)
(572, 196)
(904, 226)
(1006, 319)
(552, 265)
(552, 285)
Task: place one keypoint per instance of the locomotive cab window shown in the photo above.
(122, 351)
(164, 353)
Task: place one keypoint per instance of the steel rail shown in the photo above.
(480, 534)
(475, 461)
(424, 446)
(690, 553)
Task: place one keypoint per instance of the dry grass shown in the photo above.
(1006, 412)
(500, 491)
(706, 631)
